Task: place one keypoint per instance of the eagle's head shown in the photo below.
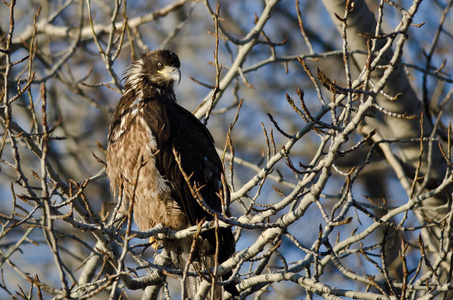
(155, 71)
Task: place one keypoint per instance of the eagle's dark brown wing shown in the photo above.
(176, 128)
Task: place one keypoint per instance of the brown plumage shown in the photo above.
(147, 127)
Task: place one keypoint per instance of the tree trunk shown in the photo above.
(360, 22)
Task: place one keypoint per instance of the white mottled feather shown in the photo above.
(135, 73)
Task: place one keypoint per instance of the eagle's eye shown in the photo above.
(160, 65)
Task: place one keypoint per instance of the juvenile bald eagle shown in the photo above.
(147, 129)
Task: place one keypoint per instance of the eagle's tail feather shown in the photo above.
(193, 262)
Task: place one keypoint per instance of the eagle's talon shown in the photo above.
(155, 243)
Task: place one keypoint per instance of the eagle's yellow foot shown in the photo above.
(155, 243)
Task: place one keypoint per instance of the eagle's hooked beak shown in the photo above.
(171, 73)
